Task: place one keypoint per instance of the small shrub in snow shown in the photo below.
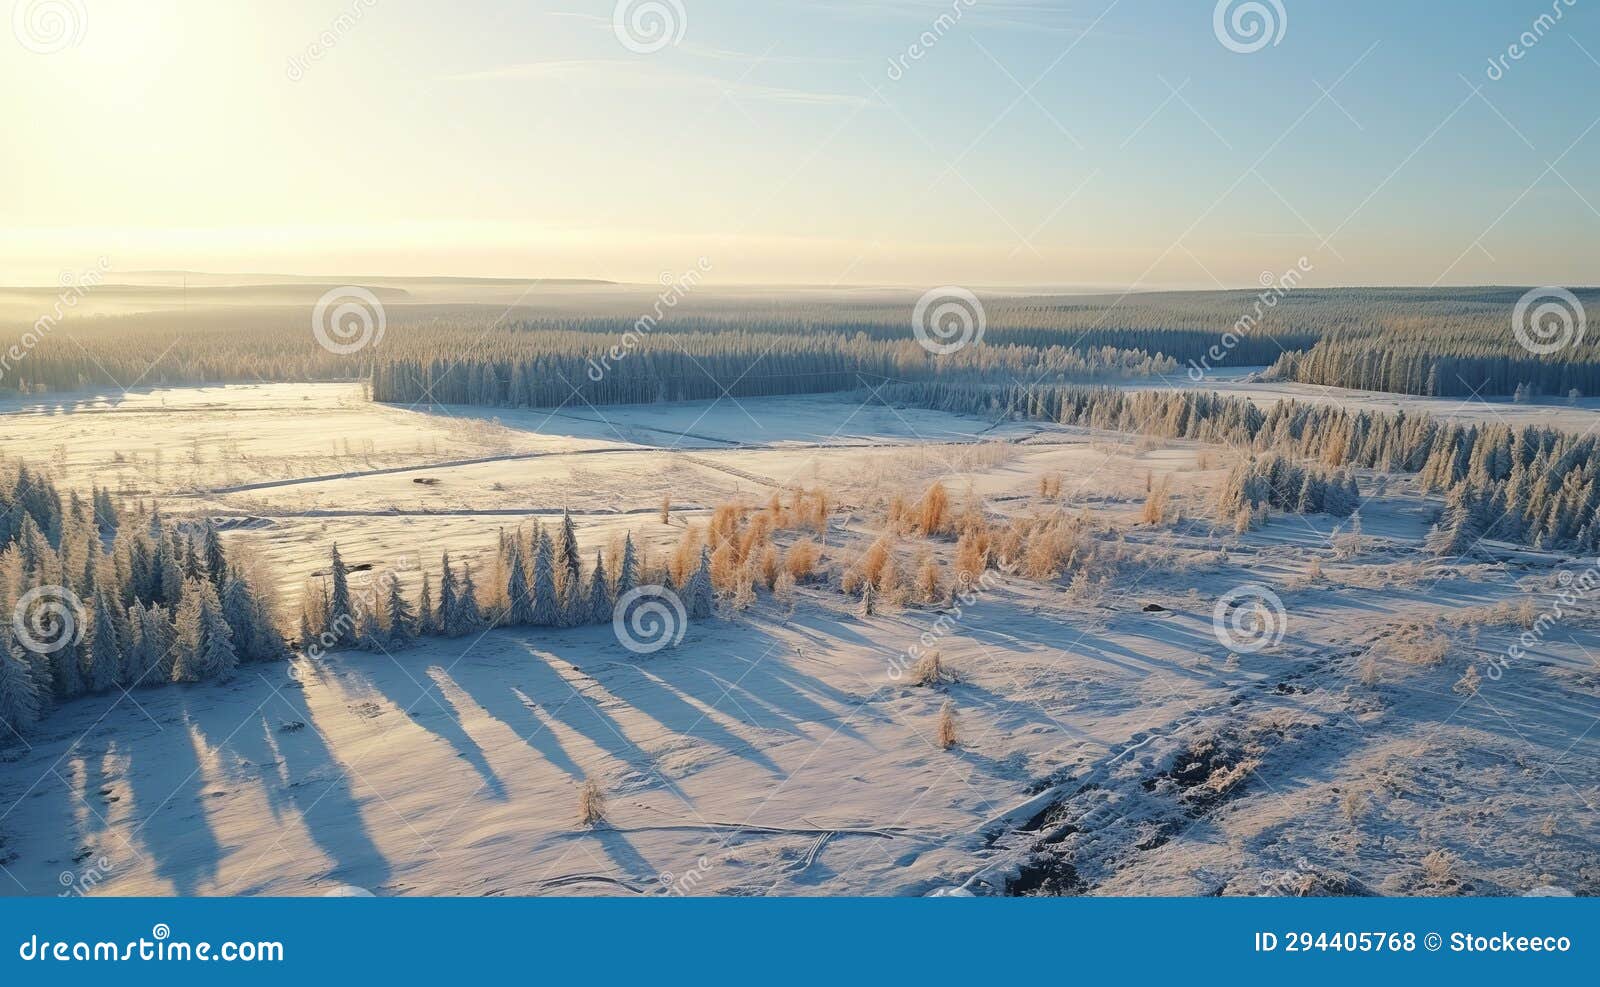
(947, 726)
(591, 803)
(931, 670)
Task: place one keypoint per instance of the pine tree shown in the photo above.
(468, 616)
(204, 647)
(698, 596)
(20, 702)
(402, 619)
(103, 658)
(216, 561)
(239, 609)
(157, 639)
(628, 572)
(1456, 531)
(571, 575)
(519, 601)
(218, 657)
(341, 619)
(445, 620)
(427, 626)
(546, 605)
(599, 592)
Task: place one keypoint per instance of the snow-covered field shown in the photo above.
(1109, 743)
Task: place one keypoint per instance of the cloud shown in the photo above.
(636, 74)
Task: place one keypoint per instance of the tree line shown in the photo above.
(95, 599)
(1530, 485)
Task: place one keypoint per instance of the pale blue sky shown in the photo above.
(1091, 143)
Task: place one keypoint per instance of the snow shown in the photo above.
(776, 752)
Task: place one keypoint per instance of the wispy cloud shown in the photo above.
(635, 74)
(1028, 15)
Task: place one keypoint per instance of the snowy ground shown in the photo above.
(1105, 747)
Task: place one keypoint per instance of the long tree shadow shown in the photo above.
(302, 777)
(515, 707)
(170, 798)
(427, 705)
(648, 693)
(562, 700)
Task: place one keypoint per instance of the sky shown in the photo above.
(1094, 144)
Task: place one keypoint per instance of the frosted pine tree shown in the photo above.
(216, 561)
(103, 657)
(217, 656)
(468, 615)
(427, 626)
(20, 702)
(157, 639)
(341, 619)
(239, 610)
(599, 592)
(546, 605)
(628, 572)
(402, 618)
(445, 621)
(519, 600)
(571, 575)
(698, 598)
